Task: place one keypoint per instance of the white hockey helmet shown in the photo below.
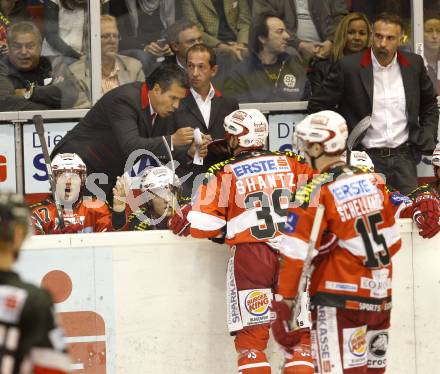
(435, 161)
(249, 125)
(361, 159)
(326, 127)
(156, 178)
(69, 162)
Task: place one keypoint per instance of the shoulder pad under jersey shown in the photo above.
(293, 155)
(41, 204)
(305, 194)
(216, 168)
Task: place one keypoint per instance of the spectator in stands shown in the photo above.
(204, 108)
(269, 73)
(394, 88)
(180, 36)
(225, 25)
(29, 81)
(311, 24)
(141, 24)
(10, 11)
(116, 69)
(352, 35)
(127, 119)
(431, 33)
(65, 28)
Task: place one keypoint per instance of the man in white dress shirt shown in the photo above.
(392, 87)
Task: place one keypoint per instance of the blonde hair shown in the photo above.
(341, 33)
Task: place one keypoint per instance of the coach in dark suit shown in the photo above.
(127, 119)
(392, 87)
(204, 108)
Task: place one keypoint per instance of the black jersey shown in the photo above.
(30, 339)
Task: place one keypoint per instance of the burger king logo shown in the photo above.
(257, 303)
(358, 342)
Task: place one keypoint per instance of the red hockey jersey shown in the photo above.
(247, 196)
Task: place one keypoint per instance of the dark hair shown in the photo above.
(172, 33)
(203, 48)
(259, 28)
(165, 75)
(24, 27)
(73, 4)
(390, 18)
(430, 14)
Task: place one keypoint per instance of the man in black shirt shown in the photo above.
(29, 81)
(31, 340)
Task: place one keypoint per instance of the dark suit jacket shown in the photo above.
(118, 124)
(349, 90)
(189, 114)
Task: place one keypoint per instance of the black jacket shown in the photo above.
(117, 125)
(189, 114)
(349, 90)
(250, 82)
(60, 95)
(325, 14)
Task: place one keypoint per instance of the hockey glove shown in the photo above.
(71, 229)
(280, 326)
(179, 224)
(426, 214)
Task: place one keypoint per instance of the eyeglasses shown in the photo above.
(110, 35)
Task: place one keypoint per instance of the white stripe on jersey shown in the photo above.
(295, 248)
(205, 222)
(50, 358)
(356, 245)
(247, 219)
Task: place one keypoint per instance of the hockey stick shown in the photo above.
(356, 134)
(307, 270)
(39, 126)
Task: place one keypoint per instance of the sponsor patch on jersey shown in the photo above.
(261, 165)
(290, 225)
(377, 348)
(355, 347)
(397, 198)
(350, 287)
(254, 305)
(234, 320)
(12, 300)
(379, 284)
(352, 188)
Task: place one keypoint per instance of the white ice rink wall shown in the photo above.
(149, 302)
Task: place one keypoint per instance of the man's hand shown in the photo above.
(156, 50)
(203, 148)
(179, 224)
(324, 49)
(120, 193)
(183, 136)
(237, 50)
(426, 214)
(20, 92)
(308, 49)
(280, 326)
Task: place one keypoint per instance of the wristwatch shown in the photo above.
(29, 91)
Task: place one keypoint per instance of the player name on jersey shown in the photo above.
(356, 196)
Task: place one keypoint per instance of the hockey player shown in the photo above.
(245, 199)
(79, 215)
(160, 188)
(351, 282)
(31, 340)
